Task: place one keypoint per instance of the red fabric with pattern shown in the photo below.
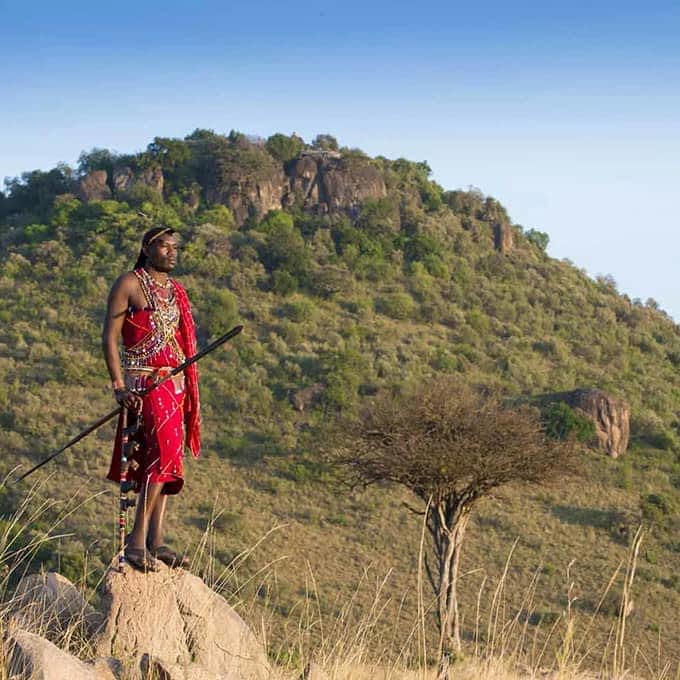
(167, 414)
(192, 409)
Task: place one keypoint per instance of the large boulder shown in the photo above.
(167, 624)
(94, 187)
(142, 617)
(610, 416)
(31, 657)
(172, 620)
(217, 637)
(49, 604)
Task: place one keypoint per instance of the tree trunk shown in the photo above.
(450, 523)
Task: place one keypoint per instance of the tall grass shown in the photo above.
(351, 640)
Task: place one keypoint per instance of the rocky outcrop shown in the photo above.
(611, 417)
(94, 187)
(250, 196)
(504, 237)
(322, 184)
(167, 624)
(125, 180)
(331, 184)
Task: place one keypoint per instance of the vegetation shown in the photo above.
(406, 286)
(452, 447)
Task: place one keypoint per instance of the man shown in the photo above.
(151, 313)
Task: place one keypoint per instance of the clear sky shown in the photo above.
(568, 113)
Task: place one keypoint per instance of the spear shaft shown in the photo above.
(105, 419)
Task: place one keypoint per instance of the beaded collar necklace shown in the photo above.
(166, 317)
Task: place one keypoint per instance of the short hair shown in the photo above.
(148, 238)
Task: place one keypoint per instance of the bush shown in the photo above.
(560, 420)
(219, 312)
(538, 238)
(396, 305)
(656, 508)
(299, 311)
(284, 148)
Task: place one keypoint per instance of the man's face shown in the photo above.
(162, 253)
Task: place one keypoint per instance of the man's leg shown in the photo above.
(155, 533)
(148, 498)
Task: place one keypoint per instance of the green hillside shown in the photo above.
(372, 277)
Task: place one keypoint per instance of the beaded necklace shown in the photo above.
(165, 319)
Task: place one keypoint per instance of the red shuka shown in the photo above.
(170, 416)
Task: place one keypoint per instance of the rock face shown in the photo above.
(167, 624)
(330, 184)
(125, 180)
(94, 187)
(322, 183)
(611, 417)
(250, 196)
(504, 237)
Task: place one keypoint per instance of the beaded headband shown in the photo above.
(155, 236)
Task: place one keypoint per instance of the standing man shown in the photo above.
(151, 313)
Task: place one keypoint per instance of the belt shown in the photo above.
(140, 378)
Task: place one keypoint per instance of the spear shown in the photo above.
(105, 419)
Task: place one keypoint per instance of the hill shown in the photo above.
(350, 274)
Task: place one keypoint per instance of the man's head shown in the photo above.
(159, 250)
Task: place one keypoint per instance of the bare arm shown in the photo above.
(118, 303)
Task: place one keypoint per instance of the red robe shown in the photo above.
(170, 416)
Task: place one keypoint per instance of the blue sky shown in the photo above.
(565, 112)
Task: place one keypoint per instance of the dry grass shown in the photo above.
(364, 638)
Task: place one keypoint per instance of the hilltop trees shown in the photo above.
(451, 446)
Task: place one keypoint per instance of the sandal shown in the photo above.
(169, 556)
(140, 559)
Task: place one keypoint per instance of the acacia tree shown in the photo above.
(451, 446)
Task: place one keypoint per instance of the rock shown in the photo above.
(94, 187)
(175, 626)
(167, 624)
(153, 178)
(307, 397)
(50, 605)
(611, 417)
(504, 237)
(142, 617)
(303, 178)
(218, 638)
(328, 183)
(250, 195)
(34, 658)
(122, 181)
(344, 187)
(125, 180)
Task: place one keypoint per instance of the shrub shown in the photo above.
(538, 238)
(219, 311)
(396, 305)
(299, 310)
(560, 420)
(284, 148)
(656, 508)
